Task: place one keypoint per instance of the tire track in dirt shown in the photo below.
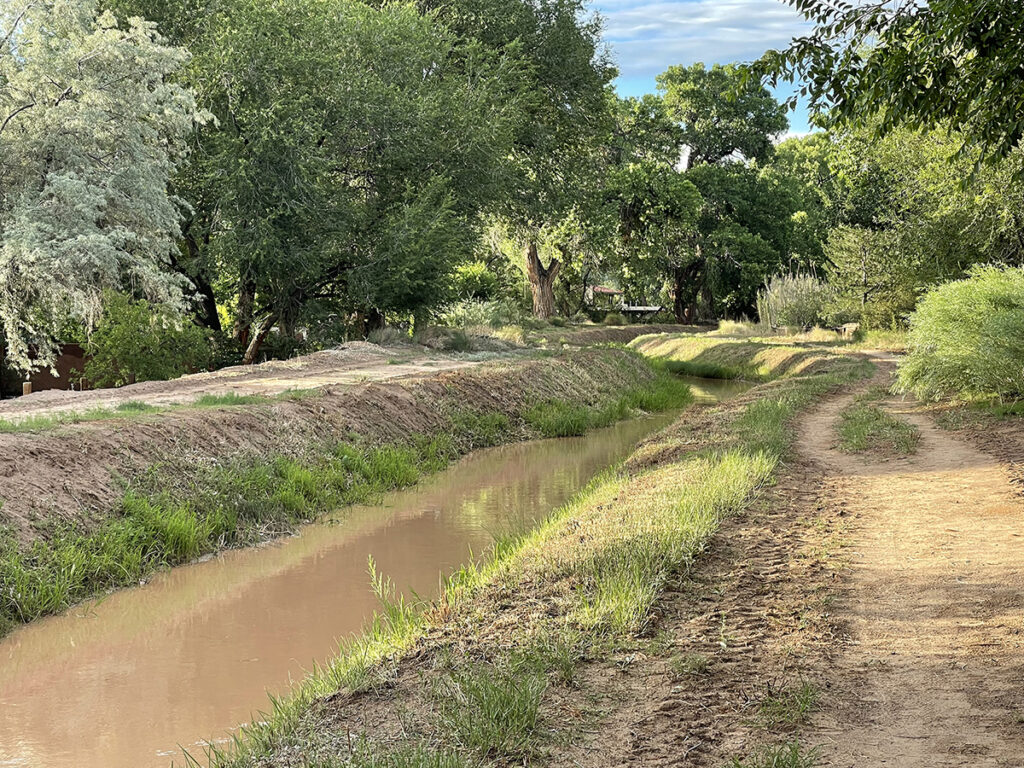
(931, 673)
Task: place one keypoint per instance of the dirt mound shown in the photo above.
(79, 472)
(348, 364)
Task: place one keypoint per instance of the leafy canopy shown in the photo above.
(91, 129)
(929, 64)
(722, 113)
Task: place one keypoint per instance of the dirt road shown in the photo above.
(352, 363)
(932, 670)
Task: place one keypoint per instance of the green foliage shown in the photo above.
(615, 318)
(475, 281)
(967, 338)
(137, 341)
(722, 112)
(93, 121)
(794, 300)
(863, 58)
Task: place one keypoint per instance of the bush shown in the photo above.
(481, 314)
(137, 341)
(967, 338)
(615, 318)
(475, 281)
(797, 300)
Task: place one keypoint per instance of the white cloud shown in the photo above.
(646, 37)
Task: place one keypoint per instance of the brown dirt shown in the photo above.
(930, 672)
(78, 472)
(895, 587)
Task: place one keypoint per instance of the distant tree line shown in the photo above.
(333, 165)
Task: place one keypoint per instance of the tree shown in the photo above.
(658, 209)
(745, 234)
(723, 114)
(904, 218)
(953, 64)
(350, 161)
(727, 125)
(90, 131)
(555, 159)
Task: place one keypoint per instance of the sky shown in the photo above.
(647, 36)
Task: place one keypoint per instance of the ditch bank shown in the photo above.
(521, 659)
(92, 506)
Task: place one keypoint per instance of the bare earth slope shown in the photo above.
(932, 671)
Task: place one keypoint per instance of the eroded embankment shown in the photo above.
(508, 664)
(96, 505)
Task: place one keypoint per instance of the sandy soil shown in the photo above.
(931, 671)
(895, 587)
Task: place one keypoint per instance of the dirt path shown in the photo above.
(932, 670)
(350, 364)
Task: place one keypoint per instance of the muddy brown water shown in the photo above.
(124, 681)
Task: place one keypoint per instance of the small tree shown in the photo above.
(137, 341)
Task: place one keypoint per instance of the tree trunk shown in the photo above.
(684, 291)
(208, 315)
(542, 282)
(253, 347)
(246, 302)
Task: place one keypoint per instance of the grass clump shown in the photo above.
(866, 427)
(492, 710)
(786, 706)
(226, 399)
(788, 755)
(689, 665)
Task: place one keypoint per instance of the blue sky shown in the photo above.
(647, 36)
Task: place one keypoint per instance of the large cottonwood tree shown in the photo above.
(91, 128)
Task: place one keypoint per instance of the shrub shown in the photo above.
(967, 338)
(615, 318)
(480, 314)
(475, 281)
(387, 336)
(137, 341)
(798, 300)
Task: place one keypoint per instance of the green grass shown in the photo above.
(561, 418)
(867, 427)
(786, 706)
(492, 710)
(788, 755)
(710, 370)
(226, 399)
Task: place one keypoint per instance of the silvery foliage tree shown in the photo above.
(90, 130)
